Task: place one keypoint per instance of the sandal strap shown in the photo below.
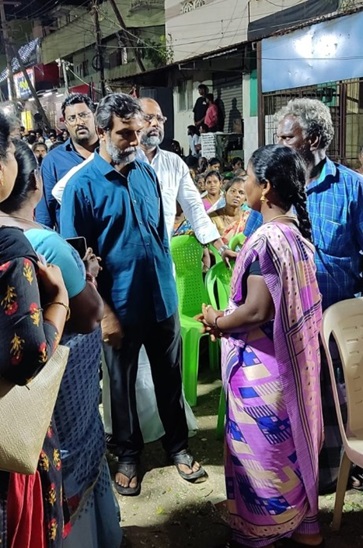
(184, 458)
(127, 469)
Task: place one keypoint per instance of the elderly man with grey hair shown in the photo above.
(114, 200)
(335, 206)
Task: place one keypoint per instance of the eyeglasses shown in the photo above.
(72, 119)
(150, 117)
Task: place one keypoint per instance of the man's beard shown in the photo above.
(120, 156)
(152, 140)
(307, 156)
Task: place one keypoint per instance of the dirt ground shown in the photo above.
(170, 513)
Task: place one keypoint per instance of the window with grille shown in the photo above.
(185, 94)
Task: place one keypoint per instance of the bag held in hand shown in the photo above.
(25, 415)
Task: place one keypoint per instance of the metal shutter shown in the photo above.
(229, 88)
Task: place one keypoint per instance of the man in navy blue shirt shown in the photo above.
(78, 114)
(115, 202)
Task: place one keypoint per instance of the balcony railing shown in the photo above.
(191, 5)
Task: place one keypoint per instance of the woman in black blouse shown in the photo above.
(33, 312)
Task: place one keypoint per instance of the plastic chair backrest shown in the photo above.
(237, 240)
(215, 253)
(187, 255)
(344, 321)
(218, 283)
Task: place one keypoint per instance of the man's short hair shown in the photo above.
(313, 116)
(116, 104)
(191, 161)
(204, 87)
(75, 99)
(214, 161)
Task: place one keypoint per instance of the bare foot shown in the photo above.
(187, 470)
(124, 481)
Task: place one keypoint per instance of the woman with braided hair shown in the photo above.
(271, 364)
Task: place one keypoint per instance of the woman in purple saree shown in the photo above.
(271, 364)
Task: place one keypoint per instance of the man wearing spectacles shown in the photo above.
(78, 113)
(175, 181)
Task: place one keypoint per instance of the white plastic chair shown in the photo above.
(344, 321)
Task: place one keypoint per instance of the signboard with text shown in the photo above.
(208, 145)
(21, 85)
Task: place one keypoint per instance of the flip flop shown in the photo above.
(183, 457)
(130, 471)
(356, 478)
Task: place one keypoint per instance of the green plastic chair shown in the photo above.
(218, 283)
(237, 241)
(215, 253)
(187, 256)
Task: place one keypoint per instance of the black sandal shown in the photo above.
(131, 472)
(183, 457)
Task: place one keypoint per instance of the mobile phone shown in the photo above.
(79, 245)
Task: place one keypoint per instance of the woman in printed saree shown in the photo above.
(33, 311)
(232, 217)
(87, 484)
(271, 364)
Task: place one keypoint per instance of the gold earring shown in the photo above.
(263, 199)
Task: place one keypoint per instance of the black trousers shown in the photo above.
(163, 346)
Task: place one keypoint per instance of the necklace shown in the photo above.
(284, 216)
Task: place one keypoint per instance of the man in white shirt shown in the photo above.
(175, 181)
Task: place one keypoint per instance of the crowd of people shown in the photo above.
(111, 188)
(40, 141)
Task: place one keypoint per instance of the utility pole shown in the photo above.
(100, 65)
(5, 37)
(128, 41)
(64, 65)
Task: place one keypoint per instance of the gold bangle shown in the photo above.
(61, 304)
